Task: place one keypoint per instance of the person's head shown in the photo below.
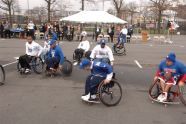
(102, 43)
(170, 59)
(29, 39)
(85, 64)
(52, 43)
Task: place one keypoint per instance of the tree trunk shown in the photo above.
(83, 5)
(49, 12)
(131, 21)
(118, 14)
(159, 21)
(10, 15)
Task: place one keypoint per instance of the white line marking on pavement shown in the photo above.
(138, 64)
(182, 46)
(9, 64)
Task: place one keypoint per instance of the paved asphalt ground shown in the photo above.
(34, 99)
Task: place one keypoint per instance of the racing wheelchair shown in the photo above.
(36, 64)
(66, 69)
(175, 94)
(109, 94)
(119, 48)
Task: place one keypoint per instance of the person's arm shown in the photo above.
(79, 46)
(111, 57)
(87, 46)
(26, 48)
(93, 53)
(109, 75)
(40, 48)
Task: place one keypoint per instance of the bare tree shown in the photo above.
(7, 5)
(131, 8)
(50, 3)
(118, 6)
(159, 7)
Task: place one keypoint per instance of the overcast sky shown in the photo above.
(74, 3)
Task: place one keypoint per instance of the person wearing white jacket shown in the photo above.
(33, 49)
(102, 52)
(83, 47)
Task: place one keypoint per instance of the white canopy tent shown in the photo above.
(94, 17)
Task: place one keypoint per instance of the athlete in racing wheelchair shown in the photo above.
(82, 49)
(171, 72)
(56, 61)
(119, 47)
(100, 83)
(102, 52)
(31, 59)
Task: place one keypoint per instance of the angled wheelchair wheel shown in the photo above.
(2, 75)
(110, 94)
(37, 65)
(18, 66)
(119, 50)
(154, 90)
(182, 95)
(67, 67)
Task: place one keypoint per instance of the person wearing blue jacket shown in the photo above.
(170, 71)
(100, 71)
(55, 57)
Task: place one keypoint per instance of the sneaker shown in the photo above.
(160, 97)
(27, 71)
(164, 98)
(85, 97)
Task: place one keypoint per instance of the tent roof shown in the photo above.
(93, 17)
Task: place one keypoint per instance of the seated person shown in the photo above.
(169, 73)
(33, 49)
(102, 52)
(100, 71)
(48, 37)
(82, 48)
(55, 57)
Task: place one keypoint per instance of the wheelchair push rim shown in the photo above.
(37, 65)
(182, 95)
(2, 75)
(119, 51)
(154, 90)
(110, 94)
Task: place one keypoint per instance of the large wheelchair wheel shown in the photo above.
(119, 50)
(67, 67)
(182, 95)
(154, 90)
(110, 94)
(37, 65)
(18, 66)
(2, 75)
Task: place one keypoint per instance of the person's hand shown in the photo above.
(111, 63)
(60, 67)
(106, 81)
